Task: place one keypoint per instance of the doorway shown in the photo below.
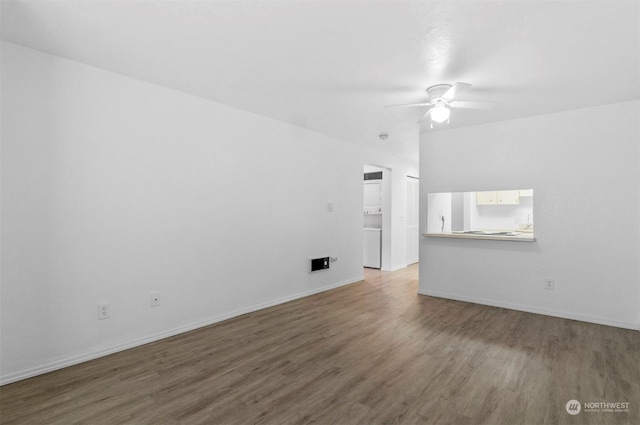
(373, 212)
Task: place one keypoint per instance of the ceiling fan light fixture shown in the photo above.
(440, 113)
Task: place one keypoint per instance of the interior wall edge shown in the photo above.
(397, 267)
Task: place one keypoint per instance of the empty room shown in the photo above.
(329, 212)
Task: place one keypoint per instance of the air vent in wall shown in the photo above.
(373, 176)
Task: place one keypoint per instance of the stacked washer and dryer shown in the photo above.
(373, 220)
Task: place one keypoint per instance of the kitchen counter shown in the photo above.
(494, 235)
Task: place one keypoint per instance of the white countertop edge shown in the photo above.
(519, 238)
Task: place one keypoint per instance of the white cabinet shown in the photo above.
(372, 191)
(508, 197)
(498, 197)
(527, 192)
(372, 247)
(487, 198)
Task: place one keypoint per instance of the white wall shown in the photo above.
(113, 188)
(584, 168)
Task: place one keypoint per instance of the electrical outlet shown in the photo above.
(549, 284)
(104, 311)
(155, 299)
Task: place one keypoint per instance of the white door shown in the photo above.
(413, 219)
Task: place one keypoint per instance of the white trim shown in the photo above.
(521, 237)
(91, 355)
(510, 306)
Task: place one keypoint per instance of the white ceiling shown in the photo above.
(331, 66)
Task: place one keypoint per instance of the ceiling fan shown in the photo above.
(441, 98)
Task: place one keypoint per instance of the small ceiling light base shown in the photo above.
(383, 136)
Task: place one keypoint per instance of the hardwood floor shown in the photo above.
(369, 353)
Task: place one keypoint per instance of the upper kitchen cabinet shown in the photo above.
(499, 197)
(487, 198)
(508, 197)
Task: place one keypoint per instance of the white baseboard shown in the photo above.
(91, 355)
(528, 309)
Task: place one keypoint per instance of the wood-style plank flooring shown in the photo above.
(369, 353)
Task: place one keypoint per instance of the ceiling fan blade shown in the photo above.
(455, 90)
(425, 116)
(407, 104)
(472, 105)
